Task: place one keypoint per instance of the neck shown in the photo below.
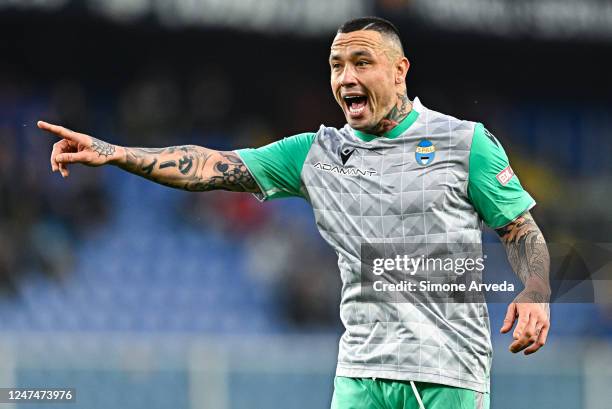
(400, 111)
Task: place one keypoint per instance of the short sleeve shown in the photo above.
(493, 188)
(277, 167)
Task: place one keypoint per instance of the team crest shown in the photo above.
(425, 152)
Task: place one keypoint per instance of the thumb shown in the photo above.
(76, 157)
(509, 319)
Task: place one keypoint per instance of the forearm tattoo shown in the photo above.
(228, 173)
(167, 164)
(191, 168)
(527, 253)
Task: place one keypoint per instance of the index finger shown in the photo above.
(63, 132)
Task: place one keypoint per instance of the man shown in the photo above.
(397, 171)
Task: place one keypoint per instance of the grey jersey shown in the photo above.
(380, 191)
(403, 201)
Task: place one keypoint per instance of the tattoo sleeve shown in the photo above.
(190, 167)
(528, 255)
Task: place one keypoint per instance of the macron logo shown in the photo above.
(505, 175)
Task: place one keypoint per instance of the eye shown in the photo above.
(335, 66)
(362, 63)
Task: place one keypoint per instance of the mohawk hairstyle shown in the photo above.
(381, 25)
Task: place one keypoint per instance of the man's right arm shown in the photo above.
(188, 167)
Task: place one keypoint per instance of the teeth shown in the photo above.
(350, 99)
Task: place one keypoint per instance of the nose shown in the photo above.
(348, 77)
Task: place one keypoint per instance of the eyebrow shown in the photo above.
(361, 53)
(354, 54)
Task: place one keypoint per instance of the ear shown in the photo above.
(401, 70)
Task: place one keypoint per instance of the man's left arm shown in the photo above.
(528, 255)
(503, 204)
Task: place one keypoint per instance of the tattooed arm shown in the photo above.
(189, 167)
(529, 258)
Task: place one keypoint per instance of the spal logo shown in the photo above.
(425, 152)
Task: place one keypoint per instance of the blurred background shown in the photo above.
(140, 296)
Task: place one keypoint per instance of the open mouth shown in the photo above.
(356, 104)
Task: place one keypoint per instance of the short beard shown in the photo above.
(400, 110)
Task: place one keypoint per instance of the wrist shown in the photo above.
(529, 295)
(539, 285)
(118, 157)
(537, 291)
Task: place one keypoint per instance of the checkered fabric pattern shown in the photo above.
(394, 199)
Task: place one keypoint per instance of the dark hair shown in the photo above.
(381, 25)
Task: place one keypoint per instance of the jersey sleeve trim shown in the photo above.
(531, 206)
(497, 200)
(277, 167)
(261, 196)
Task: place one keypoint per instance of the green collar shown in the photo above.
(393, 133)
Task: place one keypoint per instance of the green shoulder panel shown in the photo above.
(493, 188)
(277, 167)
